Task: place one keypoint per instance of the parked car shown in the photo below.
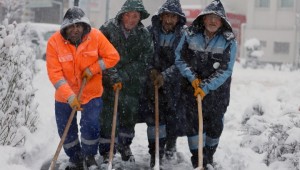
(39, 33)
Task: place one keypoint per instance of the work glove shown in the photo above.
(198, 90)
(74, 102)
(87, 74)
(117, 85)
(153, 74)
(159, 81)
(156, 77)
(196, 83)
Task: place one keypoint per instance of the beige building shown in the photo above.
(100, 10)
(275, 23)
(96, 9)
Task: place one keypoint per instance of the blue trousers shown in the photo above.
(89, 128)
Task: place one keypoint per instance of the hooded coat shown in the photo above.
(166, 64)
(164, 61)
(210, 61)
(66, 62)
(135, 52)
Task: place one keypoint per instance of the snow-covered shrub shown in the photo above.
(254, 53)
(18, 115)
(13, 9)
(254, 124)
(277, 140)
(255, 109)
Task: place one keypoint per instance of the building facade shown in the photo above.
(275, 23)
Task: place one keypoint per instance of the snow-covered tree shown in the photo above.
(13, 8)
(18, 115)
(254, 52)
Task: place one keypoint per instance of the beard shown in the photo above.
(74, 39)
(168, 27)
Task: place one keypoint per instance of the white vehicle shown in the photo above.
(39, 34)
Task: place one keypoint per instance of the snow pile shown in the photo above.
(18, 115)
(277, 138)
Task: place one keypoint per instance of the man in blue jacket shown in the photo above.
(166, 31)
(205, 57)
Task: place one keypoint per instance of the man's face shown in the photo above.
(212, 22)
(169, 21)
(74, 32)
(131, 19)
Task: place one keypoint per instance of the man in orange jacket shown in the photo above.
(76, 52)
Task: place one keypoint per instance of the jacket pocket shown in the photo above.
(89, 54)
(65, 58)
(88, 58)
(66, 61)
(218, 58)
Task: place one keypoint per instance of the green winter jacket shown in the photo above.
(135, 52)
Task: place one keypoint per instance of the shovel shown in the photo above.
(63, 138)
(113, 131)
(200, 141)
(156, 166)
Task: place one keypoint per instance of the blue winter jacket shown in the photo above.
(164, 50)
(163, 60)
(211, 61)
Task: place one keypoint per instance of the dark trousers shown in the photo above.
(89, 128)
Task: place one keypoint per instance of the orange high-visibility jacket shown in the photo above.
(65, 64)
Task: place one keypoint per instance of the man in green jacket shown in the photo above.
(134, 44)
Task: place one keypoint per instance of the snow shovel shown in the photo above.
(113, 131)
(200, 141)
(62, 140)
(156, 166)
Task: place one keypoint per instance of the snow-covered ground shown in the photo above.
(260, 101)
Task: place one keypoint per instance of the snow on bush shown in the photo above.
(253, 53)
(278, 140)
(18, 115)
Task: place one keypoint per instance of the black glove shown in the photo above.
(159, 81)
(153, 74)
(156, 77)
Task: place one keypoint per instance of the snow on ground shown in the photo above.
(276, 93)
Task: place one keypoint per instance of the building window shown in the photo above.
(281, 48)
(262, 3)
(286, 3)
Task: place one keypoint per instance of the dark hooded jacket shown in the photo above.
(135, 52)
(164, 61)
(210, 61)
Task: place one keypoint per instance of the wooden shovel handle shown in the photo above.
(113, 131)
(156, 166)
(200, 142)
(63, 138)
